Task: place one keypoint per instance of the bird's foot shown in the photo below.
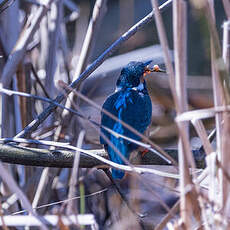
(143, 152)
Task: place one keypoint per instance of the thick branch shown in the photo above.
(64, 158)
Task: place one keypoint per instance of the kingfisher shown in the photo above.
(131, 104)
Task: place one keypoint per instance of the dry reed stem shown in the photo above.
(226, 4)
(178, 91)
(218, 101)
(180, 53)
(226, 125)
(225, 158)
(72, 206)
(226, 43)
(165, 47)
(2, 218)
(169, 216)
(200, 129)
(41, 187)
(9, 180)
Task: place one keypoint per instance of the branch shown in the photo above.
(64, 158)
(35, 123)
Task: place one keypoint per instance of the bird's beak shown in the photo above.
(155, 68)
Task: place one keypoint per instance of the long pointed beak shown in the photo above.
(156, 68)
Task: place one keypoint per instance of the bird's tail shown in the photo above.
(114, 156)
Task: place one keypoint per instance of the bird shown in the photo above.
(131, 104)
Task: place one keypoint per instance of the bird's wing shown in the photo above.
(105, 119)
(137, 114)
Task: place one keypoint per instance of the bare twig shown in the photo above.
(71, 208)
(169, 216)
(226, 43)
(165, 47)
(178, 91)
(62, 201)
(39, 81)
(200, 129)
(180, 39)
(5, 4)
(8, 179)
(41, 186)
(138, 215)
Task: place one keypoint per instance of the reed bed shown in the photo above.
(55, 176)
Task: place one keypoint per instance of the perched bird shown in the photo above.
(131, 104)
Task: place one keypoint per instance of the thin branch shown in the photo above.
(169, 216)
(5, 4)
(71, 206)
(9, 180)
(35, 123)
(62, 201)
(39, 81)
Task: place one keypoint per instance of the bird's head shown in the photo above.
(134, 73)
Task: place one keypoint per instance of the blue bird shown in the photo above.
(131, 104)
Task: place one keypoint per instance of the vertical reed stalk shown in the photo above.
(226, 126)
(226, 43)
(180, 38)
(72, 206)
(178, 88)
(218, 101)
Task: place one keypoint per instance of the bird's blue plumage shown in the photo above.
(131, 104)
